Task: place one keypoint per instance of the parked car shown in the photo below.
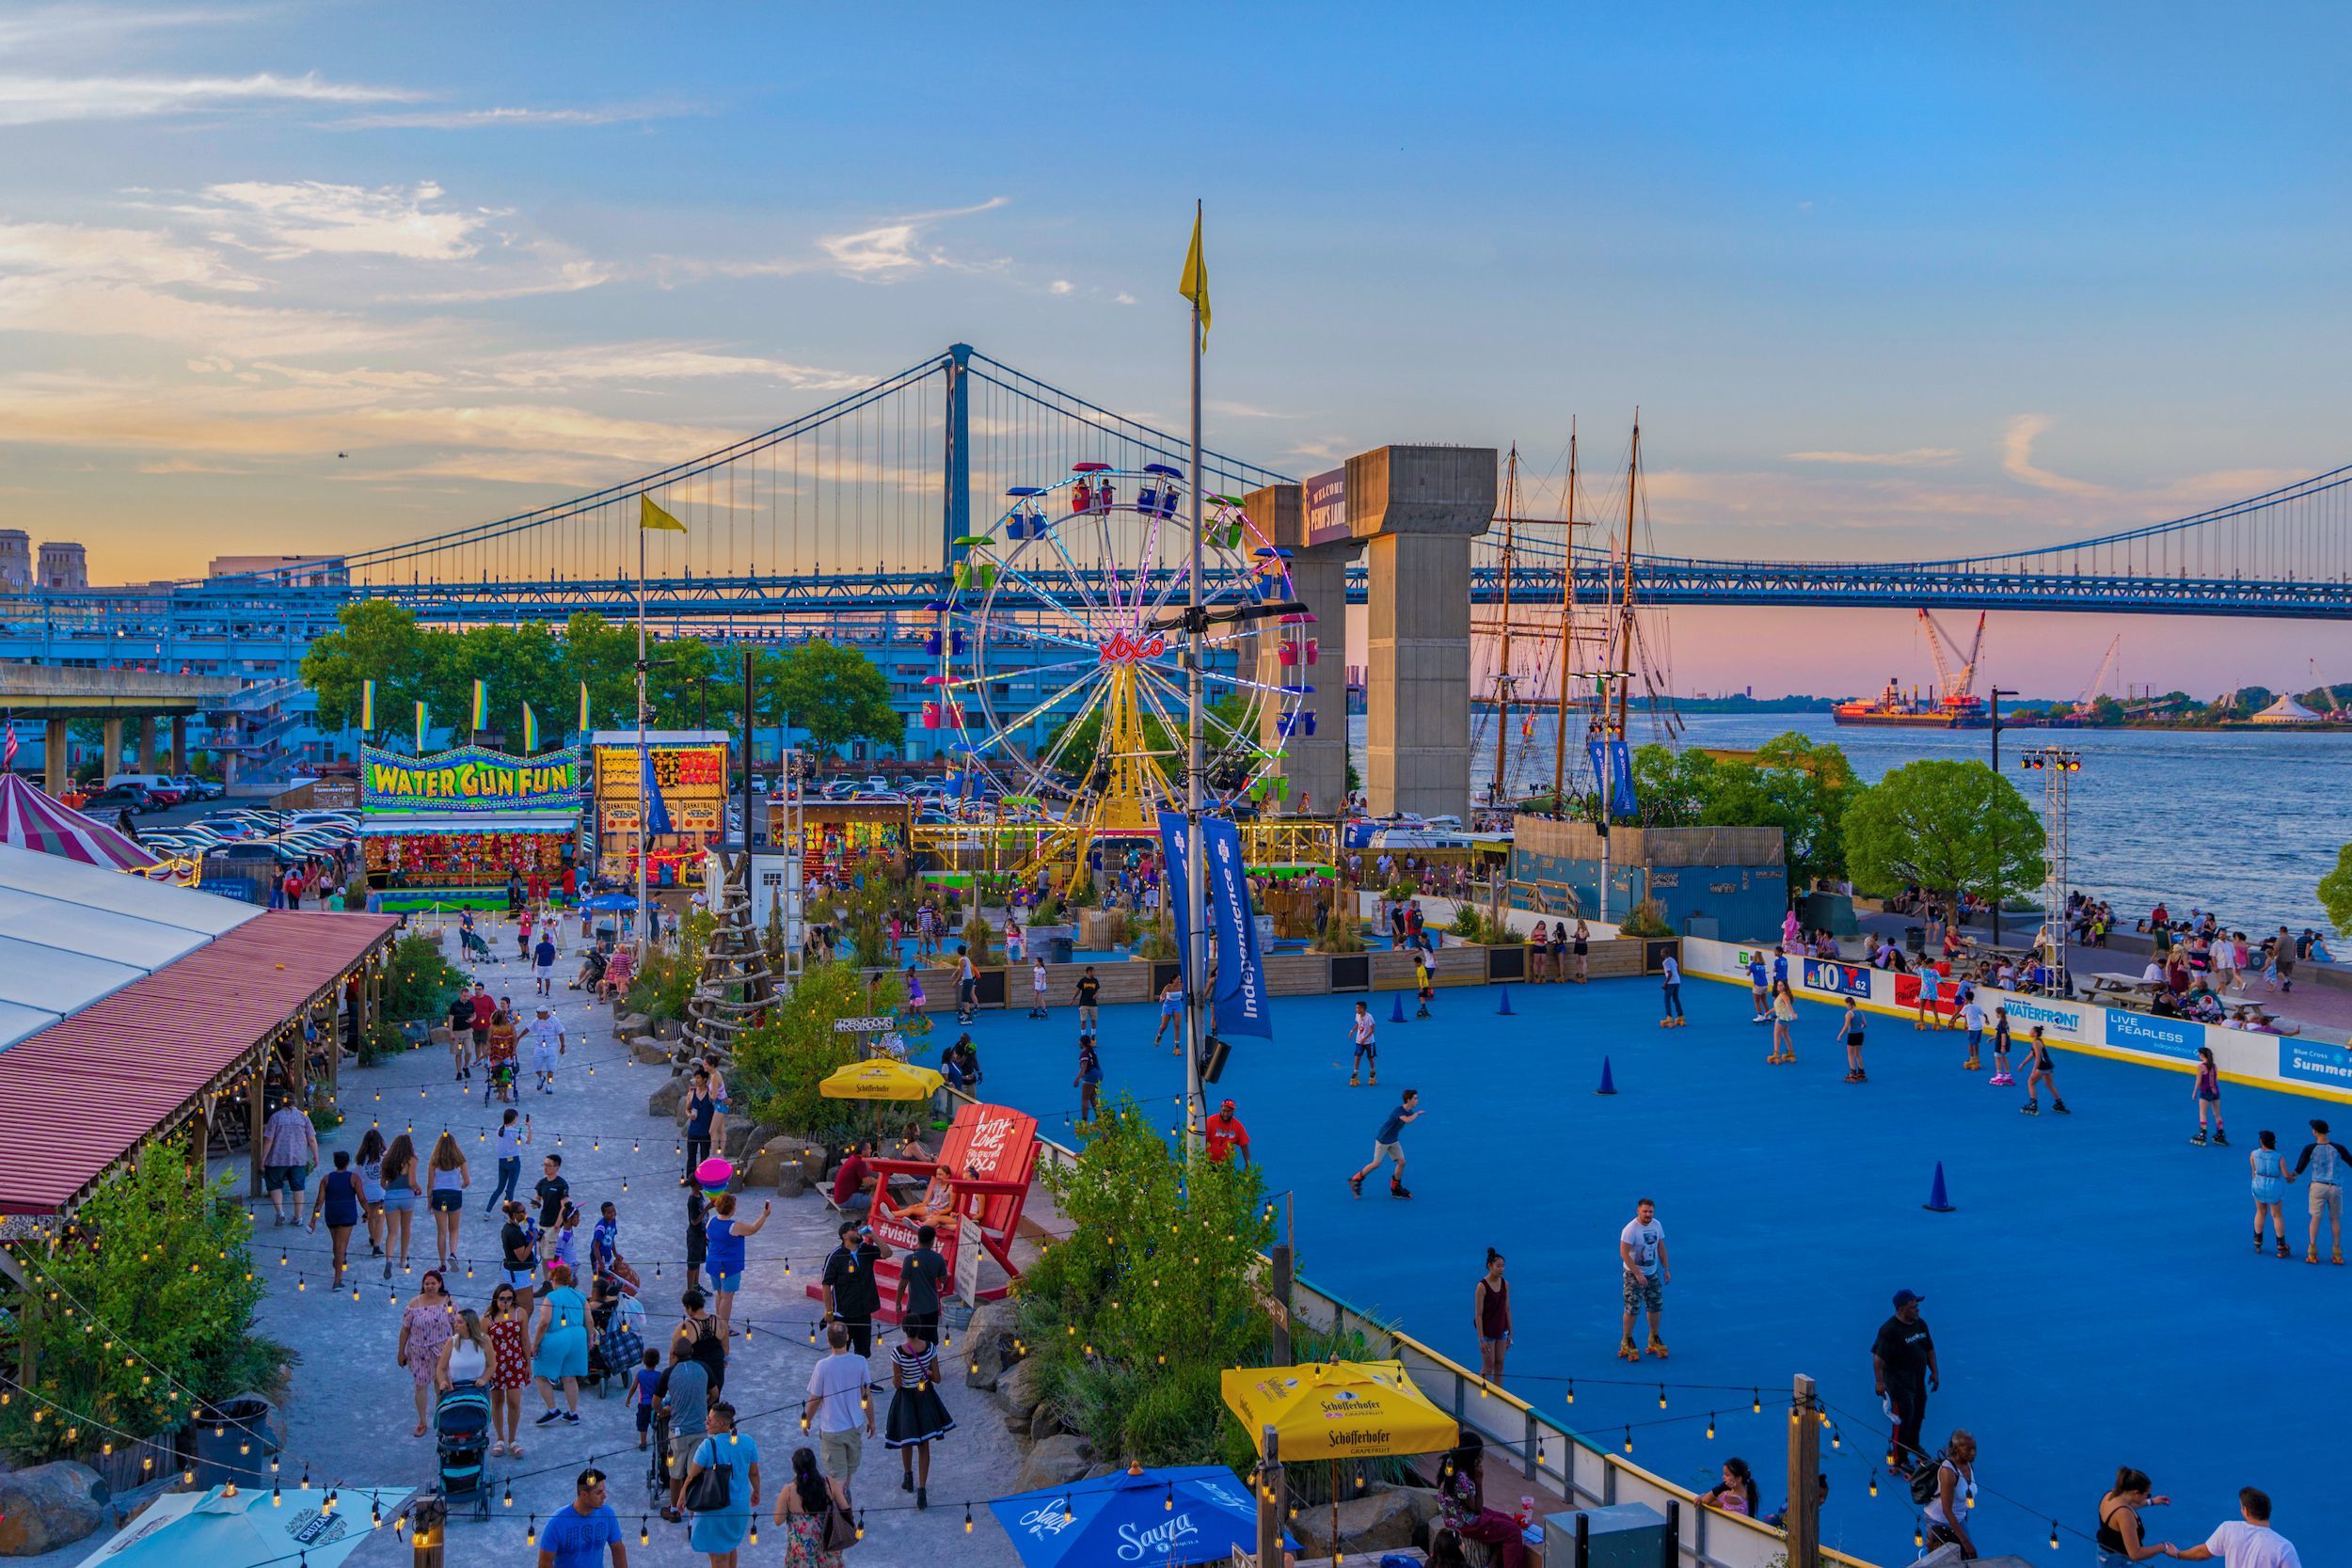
(193, 788)
(133, 797)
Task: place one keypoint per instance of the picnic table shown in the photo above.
(2123, 990)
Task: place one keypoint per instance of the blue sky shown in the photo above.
(1885, 281)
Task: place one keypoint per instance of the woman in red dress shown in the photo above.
(506, 1327)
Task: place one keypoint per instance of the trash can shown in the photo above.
(1625, 1535)
(233, 1441)
(1060, 950)
(1916, 939)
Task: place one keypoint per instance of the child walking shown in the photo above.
(1850, 1025)
(2001, 1078)
(2208, 1095)
(2270, 1186)
(642, 1393)
(1423, 983)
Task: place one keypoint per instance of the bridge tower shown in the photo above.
(956, 472)
(1416, 510)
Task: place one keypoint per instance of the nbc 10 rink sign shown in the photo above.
(1839, 979)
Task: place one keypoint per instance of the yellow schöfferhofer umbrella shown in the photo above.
(1335, 1410)
(1338, 1409)
(881, 1078)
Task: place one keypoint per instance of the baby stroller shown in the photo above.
(461, 1433)
(657, 1459)
(591, 971)
(472, 945)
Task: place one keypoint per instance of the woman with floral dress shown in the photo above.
(508, 1328)
(802, 1505)
(426, 1325)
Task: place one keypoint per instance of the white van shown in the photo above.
(147, 781)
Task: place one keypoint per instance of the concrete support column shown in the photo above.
(1316, 765)
(179, 744)
(113, 751)
(1418, 509)
(147, 746)
(55, 745)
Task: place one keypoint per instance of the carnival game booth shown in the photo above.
(835, 833)
(690, 769)
(447, 830)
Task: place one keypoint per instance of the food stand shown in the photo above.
(447, 830)
(689, 768)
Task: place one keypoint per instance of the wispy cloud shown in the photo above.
(1916, 457)
(2017, 443)
(39, 99)
(488, 120)
(286, 220)
(893, 249)
(118, 255)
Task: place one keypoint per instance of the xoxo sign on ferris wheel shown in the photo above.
(1123, 649)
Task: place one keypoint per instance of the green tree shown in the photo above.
(1795, 785)
(2335, 892)
(373, 640)
(837, 694)
(1949, 826)
(161, 1261)
(1672, 789)
(2105, 711)
(781, 1061)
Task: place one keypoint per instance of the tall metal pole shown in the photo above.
(643, 803)
(1195, 888)
(1999, 693)
(1566, 657)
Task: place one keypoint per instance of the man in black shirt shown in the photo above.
(919, 1280)
(552, 1190)
(1902, 1364)
(851, 1293)
(1088, 989)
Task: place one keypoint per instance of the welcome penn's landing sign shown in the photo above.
(471, 779)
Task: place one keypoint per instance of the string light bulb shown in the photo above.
(1710, 1425)
(1661, 1395)
(1628, 1439)
(1756, 1403)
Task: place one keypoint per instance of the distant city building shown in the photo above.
(63, 567)
(295, 571)
(16, 560)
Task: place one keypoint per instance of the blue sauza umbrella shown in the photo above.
(1195, 1513)
(609, 901)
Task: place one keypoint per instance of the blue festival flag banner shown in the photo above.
(1177, 847)
(1612, 760)
(657, 810)
(1242, 1003)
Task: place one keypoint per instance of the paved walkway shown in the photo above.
(351, 1418)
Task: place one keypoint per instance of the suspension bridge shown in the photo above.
(848, 519)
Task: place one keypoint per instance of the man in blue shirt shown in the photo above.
(1387, 1143)
(577, 1534)
(1760, 995)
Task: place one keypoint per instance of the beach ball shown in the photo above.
(714, 1174)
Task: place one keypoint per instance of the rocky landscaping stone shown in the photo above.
(629, 1026)
(1384, 1521)
(47, 1506)
(647, 1051)
(667, 1100)
(1055, 1462)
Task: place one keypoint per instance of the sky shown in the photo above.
(1884, 282)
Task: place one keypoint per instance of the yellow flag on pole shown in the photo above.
(367, 708)
(583, 710)
(1194, 286)
(531, 732)
(420, 729)
(652, 517)
(481, 704)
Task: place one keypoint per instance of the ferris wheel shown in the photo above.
(1061, 647)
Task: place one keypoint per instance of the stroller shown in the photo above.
(461, 1433)
(472, 945)
(591, 971)
(657, 1459)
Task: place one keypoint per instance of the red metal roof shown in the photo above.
(78, 1097)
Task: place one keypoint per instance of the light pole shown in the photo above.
(1606, 766)
(1999, 693)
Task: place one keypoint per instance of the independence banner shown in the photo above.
(1241, 995)
(1174, 845)
(1612, 760)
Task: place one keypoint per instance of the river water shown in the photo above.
(2239, 821)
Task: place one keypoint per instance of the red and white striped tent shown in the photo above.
(31, 820)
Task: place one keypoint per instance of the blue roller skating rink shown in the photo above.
(2094, 1295)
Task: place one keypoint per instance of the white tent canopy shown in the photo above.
(2287, 710)
(71, 934)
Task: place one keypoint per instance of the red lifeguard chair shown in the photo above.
(990, 1153)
